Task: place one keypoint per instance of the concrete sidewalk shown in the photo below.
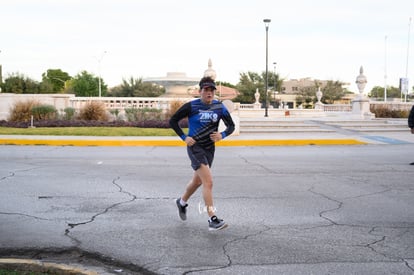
(262, 139)
(256, 132)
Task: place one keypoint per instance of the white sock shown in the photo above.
(182, 202)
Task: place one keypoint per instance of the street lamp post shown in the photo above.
(56, 78)
(385, 70)
(99, 72)
(274, 92)
(267, 22)
(406, 64)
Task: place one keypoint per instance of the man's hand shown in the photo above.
(215, 136)
(189, 141)
(412, 130)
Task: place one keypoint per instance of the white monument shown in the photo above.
(176, 84)
(210, 71)
(257, 104)
(360, 105)
(319, 104)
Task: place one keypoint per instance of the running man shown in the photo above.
(204, 115)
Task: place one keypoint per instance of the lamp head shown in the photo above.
(267, 22)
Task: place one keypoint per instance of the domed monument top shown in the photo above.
(210, 71)
(178, 84)
(175, 83)
(361, 80)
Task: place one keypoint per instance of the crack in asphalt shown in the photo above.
(269, 170)
(408, 264)
(256, 164)
(383, 238)
(369, 194)
(321, 214)
(370, 245)
(225, 251)
(36, 253)
(9, 176)
(24, 215)
(121, 190)
(12, 174)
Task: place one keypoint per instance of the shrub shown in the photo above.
(174, 106)
(44, 112)
(22, 111)
(145, 114)
(385, 112)
(69, 113)
(93, 111)
(115, 113)
(91, 123)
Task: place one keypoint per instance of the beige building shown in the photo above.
(293, 86)
(290, 88)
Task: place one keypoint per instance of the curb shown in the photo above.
(39, 266)
(247, 142)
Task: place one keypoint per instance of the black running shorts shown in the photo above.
(199, 155)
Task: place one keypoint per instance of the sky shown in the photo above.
(120, 39)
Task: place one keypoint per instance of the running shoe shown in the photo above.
(216, 224)
(182, 211)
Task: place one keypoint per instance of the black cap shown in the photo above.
(208, 84)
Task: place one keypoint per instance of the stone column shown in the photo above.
(257, 104)
(360, 105)
(319, 104)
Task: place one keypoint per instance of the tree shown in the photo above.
(20, 84)
(251, 81)
(332, 90)
(135, 87)
(86, 84)
(248, 83)
(14, 83)
(378, 92)
(57, 78)
(307, 95)
(46, 87)
(224, 83)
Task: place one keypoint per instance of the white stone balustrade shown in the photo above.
(331, 108)
(62, 101)
(122, 103)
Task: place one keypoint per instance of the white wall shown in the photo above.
(60, 101)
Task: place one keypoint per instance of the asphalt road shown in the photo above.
(290, 210)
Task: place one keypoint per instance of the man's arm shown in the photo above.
(411, 120)
(228, 121)
(181, 113)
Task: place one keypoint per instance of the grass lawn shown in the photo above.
(88, 131)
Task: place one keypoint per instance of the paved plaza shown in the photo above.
(337, 209)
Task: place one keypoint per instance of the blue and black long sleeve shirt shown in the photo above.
(203, 119)
(411, 118)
